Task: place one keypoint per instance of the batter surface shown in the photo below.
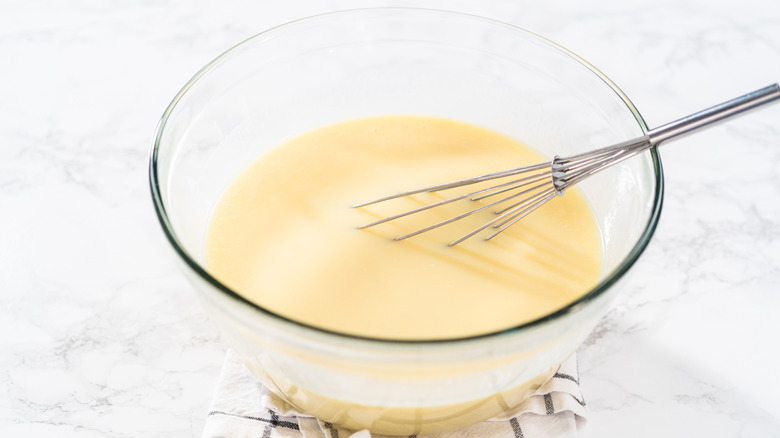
(284, 234)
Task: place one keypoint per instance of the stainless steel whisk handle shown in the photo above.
(568, 171)
(714, 114)
(540, 182)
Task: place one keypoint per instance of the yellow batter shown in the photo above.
(284, 234)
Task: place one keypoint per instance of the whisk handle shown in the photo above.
(717, 113)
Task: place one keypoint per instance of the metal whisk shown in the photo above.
(536, 184)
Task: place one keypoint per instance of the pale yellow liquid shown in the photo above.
(284, 236)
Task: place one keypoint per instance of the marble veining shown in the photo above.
(100, 335)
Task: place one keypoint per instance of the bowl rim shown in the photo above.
(604, 285)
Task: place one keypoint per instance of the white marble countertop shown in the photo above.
(100, 335)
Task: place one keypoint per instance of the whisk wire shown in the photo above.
(511, 185)
(544, 186)
(468, 213)
(458, 183)
(521, 214)
(520, 183)
(506, 215)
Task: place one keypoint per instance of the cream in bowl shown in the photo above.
(283, 235)
(259, 158)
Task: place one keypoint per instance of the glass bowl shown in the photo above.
(359, 63)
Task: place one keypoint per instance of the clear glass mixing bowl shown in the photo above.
(359, 63)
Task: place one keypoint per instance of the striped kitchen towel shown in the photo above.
(244, 408)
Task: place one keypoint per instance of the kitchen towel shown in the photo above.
(243, 408)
